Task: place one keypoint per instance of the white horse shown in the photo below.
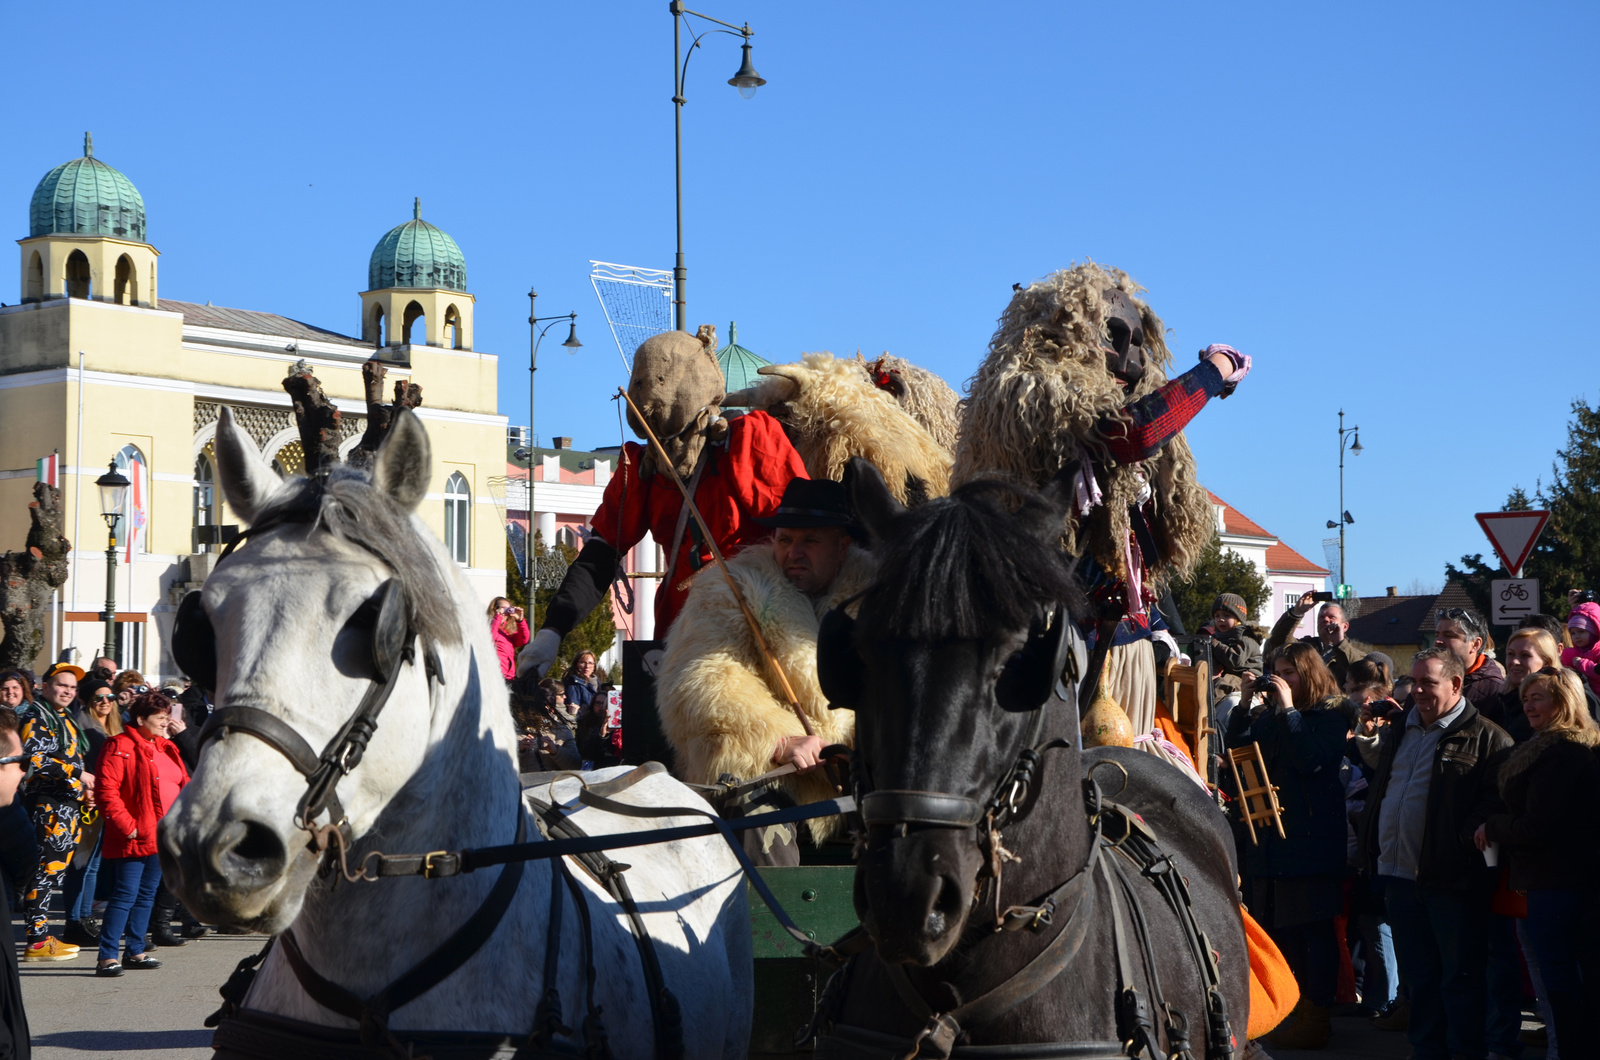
(292, 639)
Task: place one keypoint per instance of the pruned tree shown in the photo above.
(316, 416)
(28, 579)
(407, 395)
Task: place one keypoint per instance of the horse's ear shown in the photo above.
(874, 505)
(404, 463)
(247, 480)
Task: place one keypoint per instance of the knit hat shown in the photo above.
(1233, 604)
(1585, 616)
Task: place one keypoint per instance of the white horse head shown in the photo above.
(293, 623)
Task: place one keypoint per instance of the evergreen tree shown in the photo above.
(595, 633)
(1567, 555)
(1218, 571)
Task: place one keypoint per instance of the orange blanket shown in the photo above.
(1273, 990)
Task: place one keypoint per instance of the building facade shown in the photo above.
(1288, 574)
(95, 366)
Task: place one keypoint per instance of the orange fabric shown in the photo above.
(1273, 990)
(1169, 729)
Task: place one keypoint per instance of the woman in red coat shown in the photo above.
(141, 774)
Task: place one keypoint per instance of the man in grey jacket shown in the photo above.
(1332, 625)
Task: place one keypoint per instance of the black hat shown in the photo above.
(809, 502)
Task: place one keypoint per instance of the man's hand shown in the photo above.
(804, 751)
(1305, 603)
(1480, 838)
(540, 654)
(88, 790)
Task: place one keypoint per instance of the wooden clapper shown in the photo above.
(1188, 698)
(1256, 790)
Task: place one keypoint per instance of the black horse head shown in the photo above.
(951, 666)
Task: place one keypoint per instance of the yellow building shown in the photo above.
(95, 366)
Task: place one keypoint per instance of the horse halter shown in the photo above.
(1026, 685)
(194, 648)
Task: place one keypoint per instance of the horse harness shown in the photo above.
(1120, 841)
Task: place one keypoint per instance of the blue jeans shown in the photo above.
(133, 894)
(78, 890)
(1441, 945)
(1377, 947)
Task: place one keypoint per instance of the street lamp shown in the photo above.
(113, 492)
(746, 81)
(1353, 443)
(535, 336)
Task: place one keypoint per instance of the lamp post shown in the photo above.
(746, 80)
(113, 492)
(535, 336)
(1353, 443)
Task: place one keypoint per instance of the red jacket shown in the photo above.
(126, 790)
(506, 645)
(743, 481)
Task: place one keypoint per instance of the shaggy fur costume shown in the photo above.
(1040, 397)
(928, 399)
(833, 412)
(715, 691)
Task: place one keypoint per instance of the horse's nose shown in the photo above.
(239, 854)
(242, 853)
(913, 901)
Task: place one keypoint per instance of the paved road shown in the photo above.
(159, 1014)
(152, 1014)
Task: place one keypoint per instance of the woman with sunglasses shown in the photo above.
(142, 775)
(98, 721)
(1548, 832)
(510, 633)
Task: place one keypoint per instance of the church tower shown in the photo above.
(417, 289)
(86, 236)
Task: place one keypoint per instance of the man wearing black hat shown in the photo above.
(722, 706)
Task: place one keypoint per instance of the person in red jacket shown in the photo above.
(510, 632)
(141, 774)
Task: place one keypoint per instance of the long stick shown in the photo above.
(716, 555)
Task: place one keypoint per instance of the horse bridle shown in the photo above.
(194, 645)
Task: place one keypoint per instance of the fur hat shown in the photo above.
(1233, 604)
(1042, 397)
(678, 387)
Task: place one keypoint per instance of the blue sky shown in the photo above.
(1391, 207)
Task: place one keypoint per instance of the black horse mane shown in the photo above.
(984, 559)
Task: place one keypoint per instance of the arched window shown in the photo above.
(79, 283)
(374, 331)
(34, 290)
(136, 502)
(458, 518)
(205, 496)
(452, 328)
(414, 319)
(127, 282)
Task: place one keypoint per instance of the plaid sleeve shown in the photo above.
(1149, 423)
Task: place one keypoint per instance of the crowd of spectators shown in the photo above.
(104, 755)
(1439, 833)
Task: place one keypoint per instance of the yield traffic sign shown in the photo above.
(1513, 535)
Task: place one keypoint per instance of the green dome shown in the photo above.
(86, 197)
(416, 254)
(738, 364)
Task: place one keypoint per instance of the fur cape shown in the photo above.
(1526, 755)
(715, 692)
(834, 412)
(1040, 397)
(927, 398)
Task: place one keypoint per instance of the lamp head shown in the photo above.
(1332, 525)
(1355, 446)
(113, 491)
(572, 334)
(1349, 518)
(747, 80)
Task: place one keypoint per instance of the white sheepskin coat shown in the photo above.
(720, 706)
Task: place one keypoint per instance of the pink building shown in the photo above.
(1288, 573)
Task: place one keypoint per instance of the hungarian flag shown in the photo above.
(136, 495)
(49, 469)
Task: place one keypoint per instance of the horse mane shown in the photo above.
(964, 566)
(348, 506)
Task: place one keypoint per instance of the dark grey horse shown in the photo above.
(973, 792)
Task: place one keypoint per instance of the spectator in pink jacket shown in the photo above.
(1583, 626)
(510, 633)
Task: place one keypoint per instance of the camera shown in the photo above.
(1261, 684)
(1585, 596)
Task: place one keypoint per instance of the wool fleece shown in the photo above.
(719, 703)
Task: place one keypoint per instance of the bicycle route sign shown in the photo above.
(1512, 599)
